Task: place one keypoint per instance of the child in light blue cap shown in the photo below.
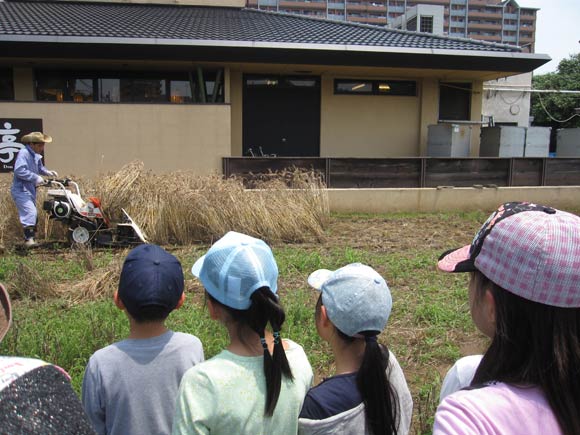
(369, 393)
(257, 384)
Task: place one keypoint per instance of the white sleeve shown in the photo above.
(460, 375)
(399, 384)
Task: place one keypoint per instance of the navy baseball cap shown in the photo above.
(150, 276)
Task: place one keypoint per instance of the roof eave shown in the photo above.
(267, 52)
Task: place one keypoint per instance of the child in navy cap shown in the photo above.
(130, 387)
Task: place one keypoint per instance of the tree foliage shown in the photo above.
(559, 106)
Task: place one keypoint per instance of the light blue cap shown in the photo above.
(357, 299)
(236, 266)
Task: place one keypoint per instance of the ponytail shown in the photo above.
(379, 397)
(265, 308)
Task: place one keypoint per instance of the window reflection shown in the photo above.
(180, 91)
(109, 90)
(81, 90)
(198, 86)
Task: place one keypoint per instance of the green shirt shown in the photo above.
(227, 395)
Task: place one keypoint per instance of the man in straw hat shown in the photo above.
(36, 397)
(28, 171)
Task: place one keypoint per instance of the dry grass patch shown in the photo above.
(28, 283)
(183, 208)
(98, 284)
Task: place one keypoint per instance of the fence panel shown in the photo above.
(374, 173)
(466, 172)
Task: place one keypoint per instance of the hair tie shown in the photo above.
(276, 335)
(370, 338)
(264, 344)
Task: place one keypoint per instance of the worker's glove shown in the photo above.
(40, 181)
(53, 173)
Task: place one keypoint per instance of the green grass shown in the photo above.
(429, 321)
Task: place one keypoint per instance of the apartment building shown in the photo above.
(489, 20)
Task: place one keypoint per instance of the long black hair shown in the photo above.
(534, 344)
(265, 308)
(380, 398)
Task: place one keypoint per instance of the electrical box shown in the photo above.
(502, 141)
(568, 142)
(537, 142)
(448, 140)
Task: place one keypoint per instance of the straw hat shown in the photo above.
(36, 137)
(5, 312)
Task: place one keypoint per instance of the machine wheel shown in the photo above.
(81, 234)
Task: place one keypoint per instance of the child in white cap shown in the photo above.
(524, 293)
(257, 384)
(369, 393)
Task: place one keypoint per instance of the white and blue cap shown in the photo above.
(235, 267)
(357, 299)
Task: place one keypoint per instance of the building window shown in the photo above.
(288, 82)
(455, 101)
(426, 24)
(375, 87)
(6, 84)
(200, 86)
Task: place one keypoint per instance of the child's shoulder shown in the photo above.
(185, 338)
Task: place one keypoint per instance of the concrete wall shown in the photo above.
(509, 106)
(460, 198)
(476, 103)
(95, 138)
(368, 125)
(435, 11)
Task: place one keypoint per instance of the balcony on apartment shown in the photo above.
(298, 4)
(368, 20)
(484, 26)
(370, 7)
(485, 13)
(482, 37)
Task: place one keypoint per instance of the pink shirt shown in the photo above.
(496, 409)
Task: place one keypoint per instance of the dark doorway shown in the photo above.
(281, 115)
(455, 101)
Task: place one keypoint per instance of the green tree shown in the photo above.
(547, 108)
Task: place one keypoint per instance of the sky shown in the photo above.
(557, 30)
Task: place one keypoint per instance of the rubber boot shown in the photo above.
(29, 237)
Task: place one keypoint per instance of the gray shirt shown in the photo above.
(130, 387)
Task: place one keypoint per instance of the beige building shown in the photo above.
(182, 86)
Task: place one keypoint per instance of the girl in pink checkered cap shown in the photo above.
(524, 293)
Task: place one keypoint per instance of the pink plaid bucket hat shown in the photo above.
(530, 250)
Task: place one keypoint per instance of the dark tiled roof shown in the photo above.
(107, 20)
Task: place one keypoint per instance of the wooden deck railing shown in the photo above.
(416, 171)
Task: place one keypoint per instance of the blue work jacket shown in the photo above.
(28, 169)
